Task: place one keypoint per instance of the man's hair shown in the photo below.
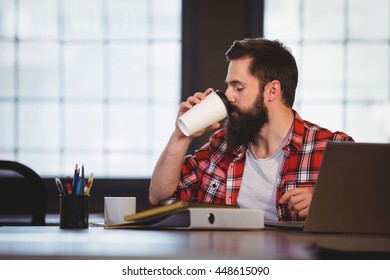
(271, 60)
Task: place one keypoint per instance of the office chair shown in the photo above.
(22, 194)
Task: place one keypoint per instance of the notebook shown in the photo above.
(352, 191)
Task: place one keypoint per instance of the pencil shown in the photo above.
(87, 189)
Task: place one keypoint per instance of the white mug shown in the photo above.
(116, 208)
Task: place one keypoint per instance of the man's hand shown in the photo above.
(298, 200)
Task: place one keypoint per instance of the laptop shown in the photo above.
(352, 191)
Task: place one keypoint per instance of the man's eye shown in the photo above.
(239, 89)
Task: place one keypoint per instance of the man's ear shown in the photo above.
(274, 90)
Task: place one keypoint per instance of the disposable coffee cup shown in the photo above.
(116, 208)
(214, 108)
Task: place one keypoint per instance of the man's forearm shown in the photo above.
(166, 174)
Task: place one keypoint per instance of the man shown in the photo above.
(266, 157)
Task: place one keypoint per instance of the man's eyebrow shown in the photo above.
(234, 82)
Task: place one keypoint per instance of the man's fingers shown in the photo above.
(293, 192)
(194, 99)
(297, 205)
(300, 204)
(303, 213)
(190, 102)
(286, 197)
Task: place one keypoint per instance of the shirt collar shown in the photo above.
(296, 138)
(240, 151)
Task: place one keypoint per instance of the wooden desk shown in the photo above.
(50, 242)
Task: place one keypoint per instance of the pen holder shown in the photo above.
(74, 211)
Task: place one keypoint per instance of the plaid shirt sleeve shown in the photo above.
(186, 190)
(205, 176)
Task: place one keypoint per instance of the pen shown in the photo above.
(59, 185)
(82, 178)
(78, 184)
(74, 183)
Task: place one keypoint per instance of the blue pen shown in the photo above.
(79, 185)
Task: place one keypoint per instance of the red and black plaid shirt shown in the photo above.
(214, 174)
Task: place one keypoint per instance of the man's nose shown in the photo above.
(229, 95)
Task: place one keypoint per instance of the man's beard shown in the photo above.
(243, 126)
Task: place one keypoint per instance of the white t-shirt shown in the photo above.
(258, 187)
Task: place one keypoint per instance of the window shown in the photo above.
(343, 54)
(88, 82)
